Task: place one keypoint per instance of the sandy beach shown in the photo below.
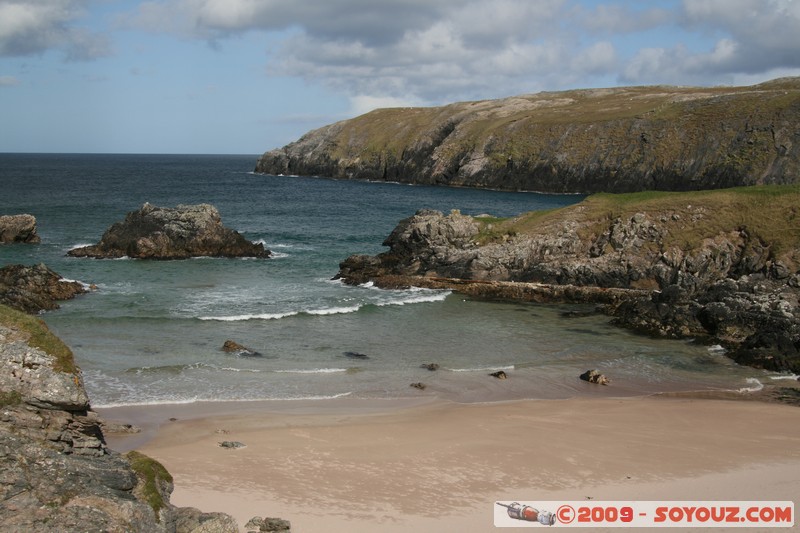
(432, 466)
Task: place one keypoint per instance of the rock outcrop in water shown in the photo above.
(57, 472)
(36, 288)
(598, 140)
(721, 266)
(171, 233)
(18, 228)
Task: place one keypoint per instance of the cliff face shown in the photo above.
(612, 140)
(57, 472)
(722, 265)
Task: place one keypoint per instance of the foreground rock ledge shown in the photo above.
(171, 233)
(57, 472)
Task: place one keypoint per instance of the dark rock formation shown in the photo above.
(57, 472)
(355, 355)
(35, 288)
(234, 347)
(594, 376)
(613, 140)
(430, 366)
(499, 375)
(418, 385)
(231, 444)
(18, 228)
(171, 233)
(721, 266)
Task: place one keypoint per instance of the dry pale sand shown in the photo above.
(439, 467)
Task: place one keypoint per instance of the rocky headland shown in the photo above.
(57, 472)
(171, 233)
(597, 140)
(18, 228)
(719, 266)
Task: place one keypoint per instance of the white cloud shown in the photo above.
(30, 27)
(436, 52)
(8, 81)
(620, 19)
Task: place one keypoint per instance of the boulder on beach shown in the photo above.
(268, 525)
(18, 228)
(171, 233)
(430, 366)
(594, 376)
(499, 375)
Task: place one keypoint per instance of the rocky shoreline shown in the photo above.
(671, 267)
(58, 473)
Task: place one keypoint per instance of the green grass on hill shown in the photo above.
(768, 213)
(37, 334)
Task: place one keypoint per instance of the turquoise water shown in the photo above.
(152, 331)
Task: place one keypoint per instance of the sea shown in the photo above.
(151, 332)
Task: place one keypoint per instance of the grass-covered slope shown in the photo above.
(613, 140)
(769, 214)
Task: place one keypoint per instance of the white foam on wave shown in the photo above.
(791, 377)
(418, 299)
(169, 401)
(755, 386)
(312, 371)
(717, 349)
(397, 298)
(334, 310)
(241, 318)
(80, 245)
(483, 369)
(86, 286)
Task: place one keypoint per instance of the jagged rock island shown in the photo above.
(716, 265)
(57, 472)
(597, 140)
(171, 233)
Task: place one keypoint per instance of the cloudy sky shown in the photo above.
(244, 76)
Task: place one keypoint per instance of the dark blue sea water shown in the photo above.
(152, 331)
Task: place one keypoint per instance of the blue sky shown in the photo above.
(245, 76)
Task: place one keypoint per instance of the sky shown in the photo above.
(246, 76)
